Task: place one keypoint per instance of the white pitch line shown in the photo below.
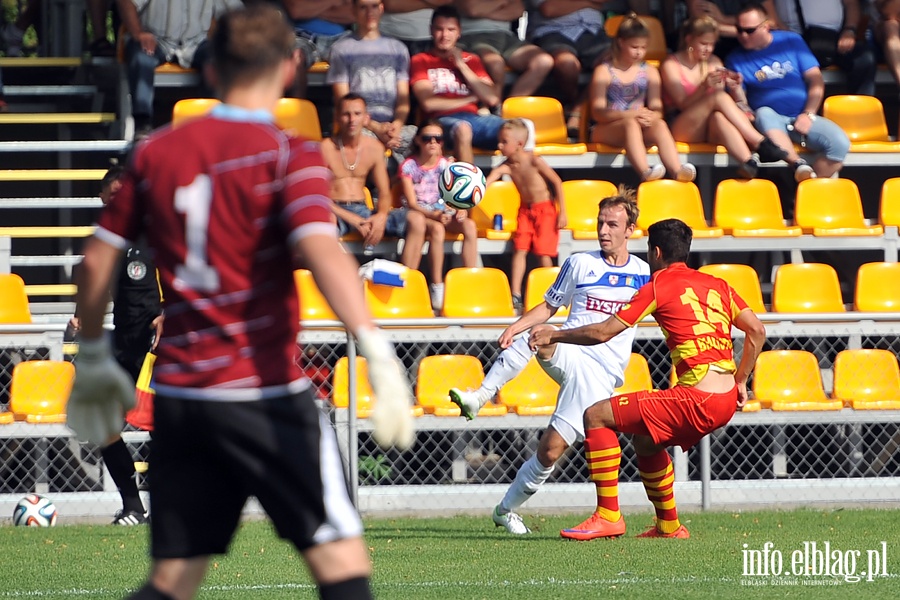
(529, 583)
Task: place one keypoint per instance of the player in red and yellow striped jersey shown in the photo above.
(696, 312)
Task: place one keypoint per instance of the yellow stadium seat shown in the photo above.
(298, 116)
(531, 392)
(656, 46)
(637, 376)
(752, 406)
(743, 279)
(437, 374)
(313, 305)
(583, 197)
(39, 391)
(807, 288)
(412, 301)
(831, 207)
(477, 292)
(191, 108)
(877, 287)
(365, 397)
(500, 198)
(13, 300)
(867, 379)
(666, 198)
(889, 211)
(549, 120)
(751, 208)
(539, 281)
(790, 380)
(861, 117)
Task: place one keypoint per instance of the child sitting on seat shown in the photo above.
(426, 214)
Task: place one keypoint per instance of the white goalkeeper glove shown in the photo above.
(101, 394)
(391, 416)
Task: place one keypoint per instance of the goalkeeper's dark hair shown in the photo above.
(625, 197)
(250, 42)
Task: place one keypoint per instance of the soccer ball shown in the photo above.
(35, 511)
(462, 185)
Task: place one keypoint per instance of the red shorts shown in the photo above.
(537, 229)
(678, 416)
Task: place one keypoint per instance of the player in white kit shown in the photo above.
(595, 284)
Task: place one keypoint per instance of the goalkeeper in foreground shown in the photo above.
(226, 202)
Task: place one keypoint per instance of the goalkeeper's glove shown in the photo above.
(391, 416)
(101, 394)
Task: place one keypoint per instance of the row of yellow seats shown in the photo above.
(532, 392)
(861, 117)
(791, 380)
(413, 301)
(798, 288)
(784, 380)
(824, 207)
(814, 287)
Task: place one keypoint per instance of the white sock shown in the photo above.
(510, 363)
(529, 478)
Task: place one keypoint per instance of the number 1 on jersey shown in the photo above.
(194, 201)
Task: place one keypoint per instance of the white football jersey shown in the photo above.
(595, 290)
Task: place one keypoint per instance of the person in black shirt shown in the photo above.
(137, 318)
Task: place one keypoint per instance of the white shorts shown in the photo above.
(582, 382)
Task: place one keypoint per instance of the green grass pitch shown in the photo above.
(468, 558)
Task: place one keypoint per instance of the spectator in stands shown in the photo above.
(427, 215)
(626, 103)
(701, 99)
(785, 87)
(318, 25)
(377, 68)
(410, 22)
(450, 84)
(487, 33)
(539, 219)
(573, 34)
(137, 322)
(725, 13)
(887, 32)
(829, 28)
(156, 37)
(353, 157)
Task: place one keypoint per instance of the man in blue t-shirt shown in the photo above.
(784, 86)
(318, 26)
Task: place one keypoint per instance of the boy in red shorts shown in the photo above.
(696, 312)
(539, 220)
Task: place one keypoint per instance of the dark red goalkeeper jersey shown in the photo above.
(221, 201)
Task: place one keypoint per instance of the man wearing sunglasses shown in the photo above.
(785, 88)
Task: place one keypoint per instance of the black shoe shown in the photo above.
(769, 151)
(102, 47)
(748, 169)
(129, 518)
(518, 305)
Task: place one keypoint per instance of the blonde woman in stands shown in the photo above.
(706, 103)
(627, 106)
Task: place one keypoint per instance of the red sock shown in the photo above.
(601, 449)
(659, 479)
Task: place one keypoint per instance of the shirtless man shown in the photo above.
(352, 157)
(539, 220)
